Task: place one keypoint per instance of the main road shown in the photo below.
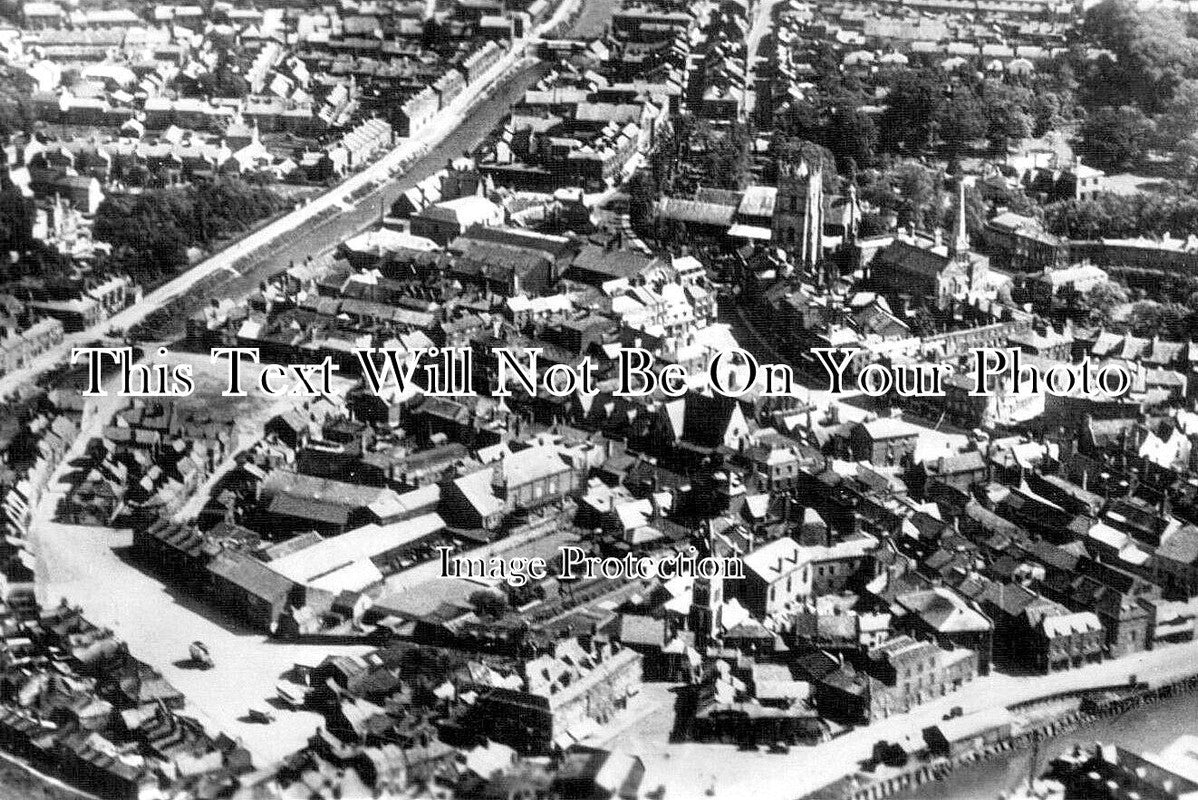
(333, 216)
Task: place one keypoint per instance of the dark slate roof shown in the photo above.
(250, 574)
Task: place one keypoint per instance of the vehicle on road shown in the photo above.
(200, 655)
(260, 716)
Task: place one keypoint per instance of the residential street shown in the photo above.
(469, 118)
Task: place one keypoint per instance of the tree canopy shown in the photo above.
(16, 110)
(1115, 216)
(1114, 138)
(151, 232)
(1153, 54)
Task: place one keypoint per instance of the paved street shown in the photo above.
(88, 566)
(458, 130)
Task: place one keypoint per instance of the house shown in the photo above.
(777, 578)
(293, 502)
(444, 222)
(960, 471)
(518, 481)
(905, 673)
(1019, 243)
(82, 191)
(926, 266)
(712, 422)
(358, 560)
(1075, 182)
(1068, 281)
(1015, 612)
(245, 588)
(564, 693)
(782, 575)
(590, 772)
(1068, 640)
(945, 616)
(1175, 562)
(887, 441)
(969, 733)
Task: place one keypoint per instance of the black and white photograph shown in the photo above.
(599, 400)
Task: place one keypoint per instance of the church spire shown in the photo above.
(959, 244)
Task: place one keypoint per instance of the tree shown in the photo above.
(852, 135)
(913, 111)
(642, 194)
(871, 224)
(1049, 111)
(17, 216)
(488, 605)
(1124, 215)
(223, 81)
(1179, 121)
(916, 186)
(1152, 50)
(1187, 156)
(1101, 300)
(1007, 119)
(791, 150)
(1167, 320)
(1114, 138)
(151, 232)
(16, 110)
(975, 213)
(693, 149)
(962, 121)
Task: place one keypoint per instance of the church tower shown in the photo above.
(813, 221)
(799, 212)
(788, 208)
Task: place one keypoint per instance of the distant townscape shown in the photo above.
(243, 597)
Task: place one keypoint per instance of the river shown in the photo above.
(1145, 729)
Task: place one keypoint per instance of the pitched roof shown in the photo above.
(679, 210)
(944, 611)
(1180, 546)
(250, 574)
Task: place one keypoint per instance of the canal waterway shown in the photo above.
(1145, 729)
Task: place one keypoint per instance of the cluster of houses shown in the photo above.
(38, 430)
(870, 41)
(288, 70)
(79, 706)
(410, 716)
(579, 128)
(877, 573)
(147, 462)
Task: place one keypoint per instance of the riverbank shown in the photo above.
(1011, 754)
